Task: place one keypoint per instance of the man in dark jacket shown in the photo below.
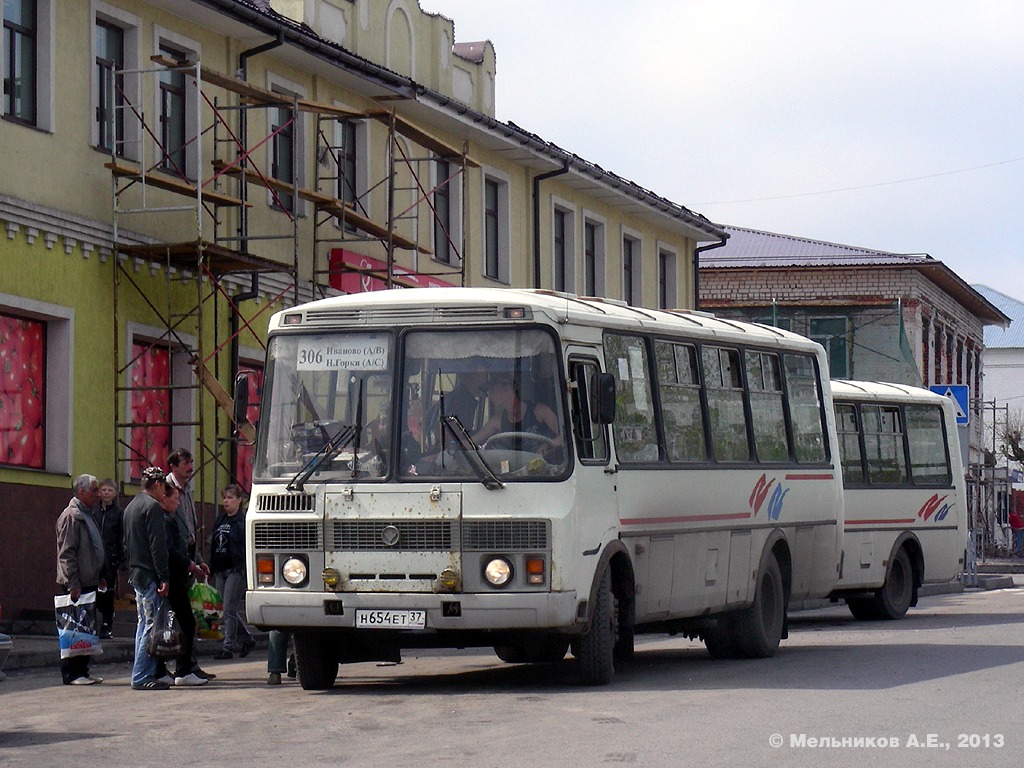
(182, 570)
(145, 543)
(79, 563)
(108, 516)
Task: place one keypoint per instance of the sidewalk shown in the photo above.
(33, 648)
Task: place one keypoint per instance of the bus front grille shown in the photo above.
(393, 535)
(488, 535)
(285, 502)
(276, 535)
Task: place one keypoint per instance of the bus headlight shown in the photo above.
(295, 571)
(498, 571)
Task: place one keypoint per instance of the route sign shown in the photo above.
(959, 394)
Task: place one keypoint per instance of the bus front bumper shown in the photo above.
(269, 608)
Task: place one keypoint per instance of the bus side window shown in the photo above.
(591, 437)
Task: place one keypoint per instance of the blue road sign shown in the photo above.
(958, 393)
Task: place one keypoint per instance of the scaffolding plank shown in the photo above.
(219, 260)
(423, 138)
(327, 204)
(344, 211)
(125, 169)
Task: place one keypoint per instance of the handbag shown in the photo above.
(76, 625)
(166, 640)
(208, 608)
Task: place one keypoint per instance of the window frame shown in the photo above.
(668, 267)
(496, 242)
(58, 388)
(594, 254)
(632, 279)
(563, 246)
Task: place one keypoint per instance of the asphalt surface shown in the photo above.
(35, 642)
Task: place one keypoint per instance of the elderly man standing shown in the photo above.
(145, 543)
(80, 561)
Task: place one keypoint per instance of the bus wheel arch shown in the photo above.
(903, 576)
(608, 636)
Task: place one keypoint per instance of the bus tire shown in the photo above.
(595, 648)
(316, 659)
(758, 629)
(721, 641)
(545, 649)
(863, 608)
(894, 598)
(626, 635)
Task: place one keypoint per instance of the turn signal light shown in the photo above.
(265, 570)
(535, 571)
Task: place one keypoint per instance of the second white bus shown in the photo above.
(904, 495)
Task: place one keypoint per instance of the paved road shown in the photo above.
(951, 673)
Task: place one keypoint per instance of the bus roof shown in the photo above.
(849, 389)
(414, 306)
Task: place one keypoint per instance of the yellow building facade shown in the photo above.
(175, 170)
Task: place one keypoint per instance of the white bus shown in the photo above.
(905, 498)
(629, 470)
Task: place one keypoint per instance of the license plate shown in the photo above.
(391, 619)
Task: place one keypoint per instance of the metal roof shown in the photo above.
(1003, 338)
(754, 249)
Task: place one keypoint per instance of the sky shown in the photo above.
(895, 125)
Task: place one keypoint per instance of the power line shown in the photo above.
(863, 186)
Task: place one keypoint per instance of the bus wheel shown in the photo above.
(624, 639)
(895, 596)
(317, 660)
(511, 654)
(721, 641)
(595, 649)
(863, 608)
(758, 629)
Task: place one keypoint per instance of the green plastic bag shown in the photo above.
(208, 607)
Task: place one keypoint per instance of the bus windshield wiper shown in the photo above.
(340, 440)
(472, 453)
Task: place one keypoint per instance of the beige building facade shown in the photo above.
(175, 170)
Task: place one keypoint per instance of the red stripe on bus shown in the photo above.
(810, 477)
(880, 522)
(685, 519)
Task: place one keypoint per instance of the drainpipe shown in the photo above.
(696, 267)
(536, 217)
(243, 225)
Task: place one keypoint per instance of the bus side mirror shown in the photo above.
(241, 404)
(603, 389)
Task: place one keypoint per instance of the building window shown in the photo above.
(562, 250)
(172, 114)
(496, 244)
(22, 392)
(631, 291)
(110, 87)
(593, 258)
(666, 279)
(831, 333)
(282, 161)
(150, 404)
(19, 63)
(443, 239)
(348, 166)
(36, 384)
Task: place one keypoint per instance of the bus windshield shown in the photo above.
(473, 405)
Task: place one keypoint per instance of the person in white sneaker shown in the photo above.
(80, 559)
(182, 570)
